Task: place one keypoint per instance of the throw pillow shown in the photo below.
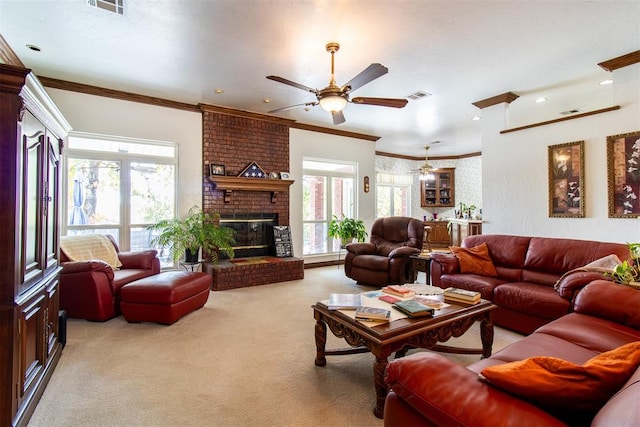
(475, 260)
(560, 386)
(608, 262)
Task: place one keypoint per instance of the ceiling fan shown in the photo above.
(334, 98)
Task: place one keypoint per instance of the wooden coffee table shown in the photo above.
(400, 335)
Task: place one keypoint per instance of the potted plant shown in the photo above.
(185, 236)
(347, 230)
(628, 271)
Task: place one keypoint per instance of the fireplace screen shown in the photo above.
(254, 233)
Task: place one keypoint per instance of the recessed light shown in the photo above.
(606, 82)
(33, 47)
(475, 118)
(266, 101)
(219, 91)
(541, 99)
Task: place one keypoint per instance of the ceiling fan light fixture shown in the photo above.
(333, 103)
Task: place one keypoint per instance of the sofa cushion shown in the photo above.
(561, 386)
(372, 262)
(528, 298)
(475, 260)
(472, 282)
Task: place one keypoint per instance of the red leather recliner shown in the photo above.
(91, 289)
(384, 260)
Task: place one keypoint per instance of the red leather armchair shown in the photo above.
(91, 289)
(384, 260)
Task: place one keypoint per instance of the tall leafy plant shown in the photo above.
(347, 229)
(184, 236)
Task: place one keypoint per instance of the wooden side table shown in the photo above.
(421, 262)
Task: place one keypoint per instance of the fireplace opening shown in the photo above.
(254, 233)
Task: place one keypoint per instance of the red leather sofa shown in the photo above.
(527, 289)
(429, 390)
(384, 260)
(91, 289)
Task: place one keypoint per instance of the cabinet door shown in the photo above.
(32, 194)
(33, 338)
(439, 191)
(51, 199)
(52, 324)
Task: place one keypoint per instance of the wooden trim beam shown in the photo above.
(333, 131)
(246, 114)
(116, 94)
(7, 55)
(562, 119)
(507, 97)
(621, 61)
(402, 156)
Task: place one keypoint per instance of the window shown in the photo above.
(328, 189)
(393, 195)
(119, 186)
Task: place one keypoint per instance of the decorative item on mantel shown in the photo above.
(253, 170)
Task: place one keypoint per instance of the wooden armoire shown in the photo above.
(32, 131)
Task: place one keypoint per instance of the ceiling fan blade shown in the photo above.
(306, 104)
(383, 102)
(367, 75)
(338, 117)
(291, 83)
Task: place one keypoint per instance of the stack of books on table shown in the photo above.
(461, 296)
(399, 291)
(373, 314)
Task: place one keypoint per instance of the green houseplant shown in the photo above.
(185, 236)
(347, 229)
(628, 271)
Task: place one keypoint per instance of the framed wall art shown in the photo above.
(215, 169)
(566, 180)
(623, 175)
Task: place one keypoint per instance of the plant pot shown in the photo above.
(345, 242)
(191, 257)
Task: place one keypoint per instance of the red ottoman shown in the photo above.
(165, 297)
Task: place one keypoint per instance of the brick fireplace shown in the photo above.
(236, 139)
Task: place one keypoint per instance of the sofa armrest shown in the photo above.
(610, 301)
(139, 259)
(571, 283)
(448, 263)
(446, 393)
(361, 248)
(403, 251)
(98, 266)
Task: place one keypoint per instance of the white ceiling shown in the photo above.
(458, 51)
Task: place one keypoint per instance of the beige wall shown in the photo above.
(95, 114)
(515, 173)
(319, 145)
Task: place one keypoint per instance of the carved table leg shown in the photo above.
(486, 335)
(379, 367)
(321, 341)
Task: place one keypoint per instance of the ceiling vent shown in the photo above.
(569, 112)
(115, 6)
(418, 95)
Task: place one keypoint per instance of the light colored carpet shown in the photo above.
(245, 359)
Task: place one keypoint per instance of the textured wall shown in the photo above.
(468, 181)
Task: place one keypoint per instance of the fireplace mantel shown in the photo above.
(228, 184)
